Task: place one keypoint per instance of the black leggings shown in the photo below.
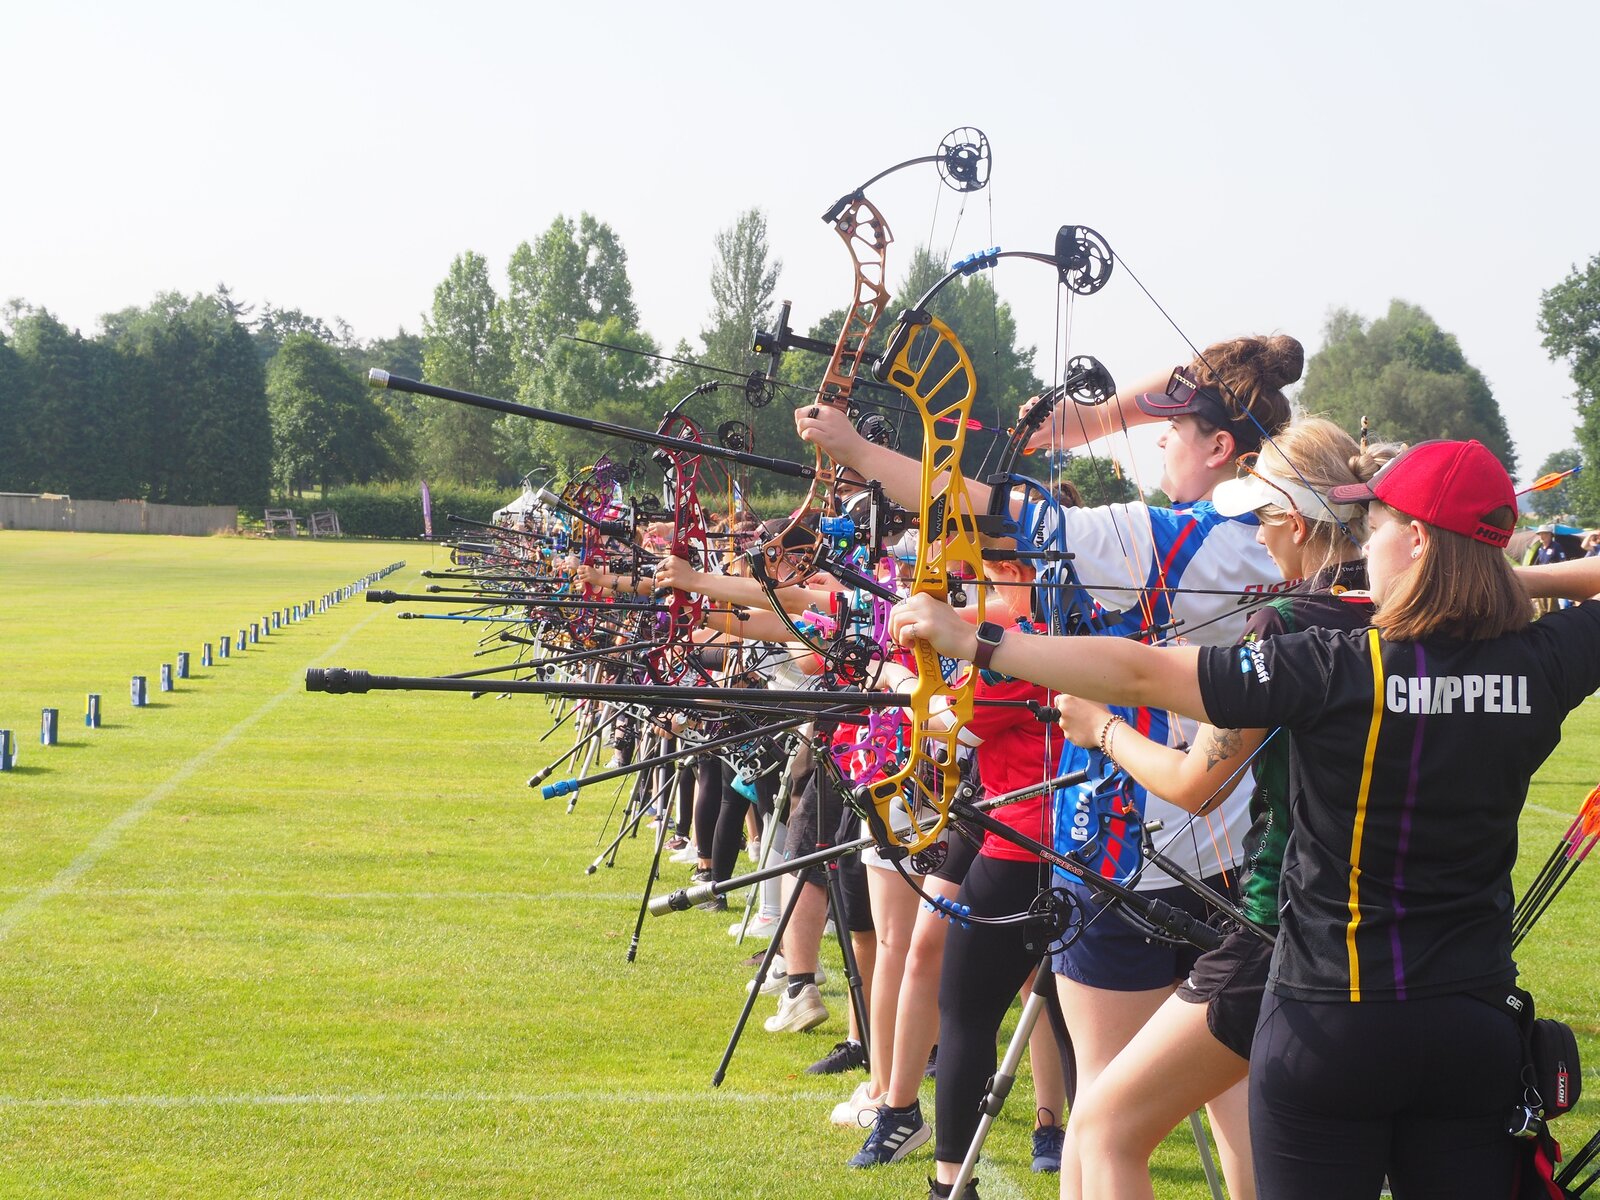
(1421, 1090)
(984, 967)
(685, 791)
(709, 787)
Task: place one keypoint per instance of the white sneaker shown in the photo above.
(796, 1014)
(761, 926)
(687, 855)
(778, 977)
(847, 1113)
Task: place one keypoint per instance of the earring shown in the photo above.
(1416, 554)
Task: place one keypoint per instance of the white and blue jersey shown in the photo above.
(1126, 557)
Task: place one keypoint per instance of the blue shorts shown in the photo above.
(1113, 955)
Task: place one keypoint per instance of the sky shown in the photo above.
(1255, 165)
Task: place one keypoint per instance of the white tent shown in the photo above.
(524, 503)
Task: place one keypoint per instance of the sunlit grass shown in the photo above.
(255, 942)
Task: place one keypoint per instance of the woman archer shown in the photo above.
(1411, 744)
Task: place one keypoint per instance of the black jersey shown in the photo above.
(1409, 766)
(1326, 601)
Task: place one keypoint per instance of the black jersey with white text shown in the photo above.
(1409, 766)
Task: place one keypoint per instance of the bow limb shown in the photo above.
(673, 657)
(933, 370)
(963, 160)
(866, 236)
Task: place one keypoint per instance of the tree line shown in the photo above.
(205, 399)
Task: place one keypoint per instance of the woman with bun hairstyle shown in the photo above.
(1411, 747)
(1145, 571)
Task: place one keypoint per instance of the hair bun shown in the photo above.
(1283, 360)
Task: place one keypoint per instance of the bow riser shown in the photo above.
(934, 372)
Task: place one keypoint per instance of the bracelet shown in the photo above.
(1107, 732)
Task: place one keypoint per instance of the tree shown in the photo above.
(574, 272)
(17, 406)
(234, 309)
(400, 355)
(276, 325)
(83, 435)
(1099, 480)
(744, 278)
(602, 384)
(466, 348)
(1408, 376)
(1569, 318)
(197, 377)
(326, 425)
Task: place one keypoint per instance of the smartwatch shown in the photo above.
(989, 635)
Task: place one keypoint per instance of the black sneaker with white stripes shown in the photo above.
(895, 1133)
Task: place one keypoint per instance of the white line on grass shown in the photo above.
(286, 894)
(1549, 812)
(106, 840)
(598, 1096)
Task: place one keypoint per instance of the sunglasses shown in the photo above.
(1247, 464)
(1179, 394)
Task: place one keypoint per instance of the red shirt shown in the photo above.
(1013, 755)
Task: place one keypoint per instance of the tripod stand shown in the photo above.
(836, 908)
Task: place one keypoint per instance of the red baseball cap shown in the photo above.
(1452, 485)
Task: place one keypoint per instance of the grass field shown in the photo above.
(255, 942)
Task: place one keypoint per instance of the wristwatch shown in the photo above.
(989, 635)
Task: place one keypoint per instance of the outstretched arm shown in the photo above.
(1576, 579)
(900, 475)
(1194, 780)
(733, 589)
(1113, 670)
(1068, 429)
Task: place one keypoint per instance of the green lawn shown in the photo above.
(255, 942)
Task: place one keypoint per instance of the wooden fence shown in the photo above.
(115, 516)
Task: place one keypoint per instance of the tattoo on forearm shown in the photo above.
(1221, 745)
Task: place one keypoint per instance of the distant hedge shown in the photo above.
(394, 510)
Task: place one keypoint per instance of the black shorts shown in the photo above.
(816, 815)
(958, 858)
(1230, 982)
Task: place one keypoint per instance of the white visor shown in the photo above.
(1248, 493)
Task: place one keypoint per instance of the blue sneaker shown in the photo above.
(895, 1133)
(1047, 1142)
